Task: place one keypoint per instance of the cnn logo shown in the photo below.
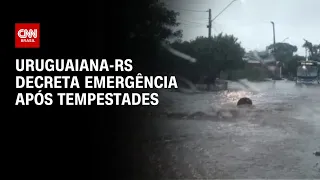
(27, 35)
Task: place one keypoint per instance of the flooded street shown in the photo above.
(205, 135)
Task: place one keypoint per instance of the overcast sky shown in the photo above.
(249, 20)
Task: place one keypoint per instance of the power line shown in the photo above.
(191, 25)
(198, 18)
(192, 22)
(211, 20)
(190, 10)
(223, 10)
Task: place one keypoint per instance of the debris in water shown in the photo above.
(244, 101)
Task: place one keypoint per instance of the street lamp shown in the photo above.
(285, 39)
(274, 49)
(274, 34)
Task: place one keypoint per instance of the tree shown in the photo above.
(228, 51)
(149, 23)
(314, 50)
(293, 64)
(220, 53)
(283, 52)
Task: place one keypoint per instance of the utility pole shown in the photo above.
(209, 24)
(274, 49)
(211, 20)
(274, 35)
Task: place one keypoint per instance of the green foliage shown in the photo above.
(314, 50)
(283, 52)
(149, 23)
(220, 53)
(293, 63)
(153, 20)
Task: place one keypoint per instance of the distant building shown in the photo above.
(255, 59)
(251, 59)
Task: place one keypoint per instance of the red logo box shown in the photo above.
(27, 35)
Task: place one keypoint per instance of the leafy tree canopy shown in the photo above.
(313, 49)
(283, 51)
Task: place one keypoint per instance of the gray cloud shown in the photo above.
(249, 20)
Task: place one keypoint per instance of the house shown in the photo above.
(263, 61)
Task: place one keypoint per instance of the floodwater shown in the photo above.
(204, 135)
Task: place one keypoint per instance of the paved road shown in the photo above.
(206, 136)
